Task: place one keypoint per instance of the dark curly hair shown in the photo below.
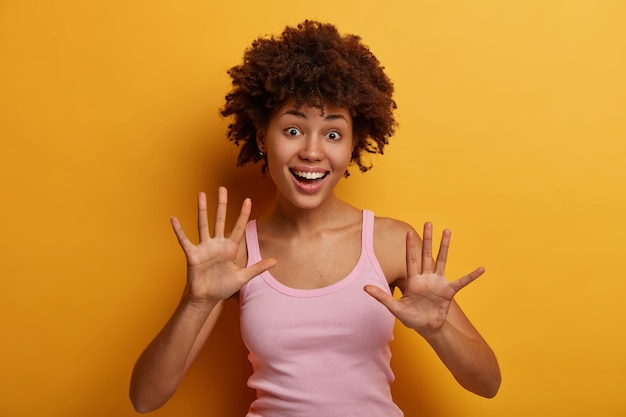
(310, 64)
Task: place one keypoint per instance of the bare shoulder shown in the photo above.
(390, 246)
(385, 227)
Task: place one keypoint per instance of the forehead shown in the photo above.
(306, 112)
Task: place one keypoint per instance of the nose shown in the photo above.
(312, 149)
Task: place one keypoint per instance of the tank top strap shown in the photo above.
(367, 247)
(367, 233)
(252, 243)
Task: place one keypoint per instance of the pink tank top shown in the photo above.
(321, 352)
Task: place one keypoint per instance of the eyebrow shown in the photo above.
(332, 116)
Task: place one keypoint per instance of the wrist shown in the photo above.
(200, 304)
(435, 335)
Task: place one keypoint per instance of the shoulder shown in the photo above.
(390, 246)
(388, 231)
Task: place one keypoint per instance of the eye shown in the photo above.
(292, 131)
(334, 135)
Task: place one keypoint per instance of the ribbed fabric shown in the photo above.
(321, 352)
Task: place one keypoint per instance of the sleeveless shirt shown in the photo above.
(319, 352)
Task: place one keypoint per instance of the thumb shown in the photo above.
(380, 295)
(259, 267)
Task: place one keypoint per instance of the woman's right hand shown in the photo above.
(212, 270)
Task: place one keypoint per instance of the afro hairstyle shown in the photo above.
(311, 64)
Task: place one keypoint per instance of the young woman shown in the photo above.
(314, 275)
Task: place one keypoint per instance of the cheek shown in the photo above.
(276, 161)
(276, 153)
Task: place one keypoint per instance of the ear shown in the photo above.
(260, 139)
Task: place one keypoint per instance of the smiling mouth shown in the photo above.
(309, 177)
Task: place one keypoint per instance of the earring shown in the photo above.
(260, 152)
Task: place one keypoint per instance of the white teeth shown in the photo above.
(310, 175)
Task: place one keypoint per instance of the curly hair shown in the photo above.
(310, 64)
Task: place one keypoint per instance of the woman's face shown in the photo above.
(308, 151)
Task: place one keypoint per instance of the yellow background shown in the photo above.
(512, 133)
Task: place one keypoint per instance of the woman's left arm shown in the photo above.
(427, 305)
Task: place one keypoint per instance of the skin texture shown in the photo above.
(308, 219)
(303, 140)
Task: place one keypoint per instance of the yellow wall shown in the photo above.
(512, 133)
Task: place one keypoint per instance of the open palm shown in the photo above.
(427, 294)
(212, 271)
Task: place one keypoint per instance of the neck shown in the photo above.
(286, 218)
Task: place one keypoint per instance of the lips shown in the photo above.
(309, 176)
(309, 182)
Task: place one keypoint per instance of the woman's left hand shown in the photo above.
(427, 294)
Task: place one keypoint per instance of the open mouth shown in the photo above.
(309, 177)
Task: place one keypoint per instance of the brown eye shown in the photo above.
(333, 135)
(292, 131)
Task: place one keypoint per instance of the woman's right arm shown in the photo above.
(213, 275)
(162, 365)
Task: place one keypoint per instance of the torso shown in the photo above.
(322, 258)
(312, 336)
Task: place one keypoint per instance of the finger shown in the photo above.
(384, 298)
(442, 255)
(463, 281)
(411, 256)
(427, 248)
(180, 235)
(203, 222)
(240, 226)
(220, 212)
